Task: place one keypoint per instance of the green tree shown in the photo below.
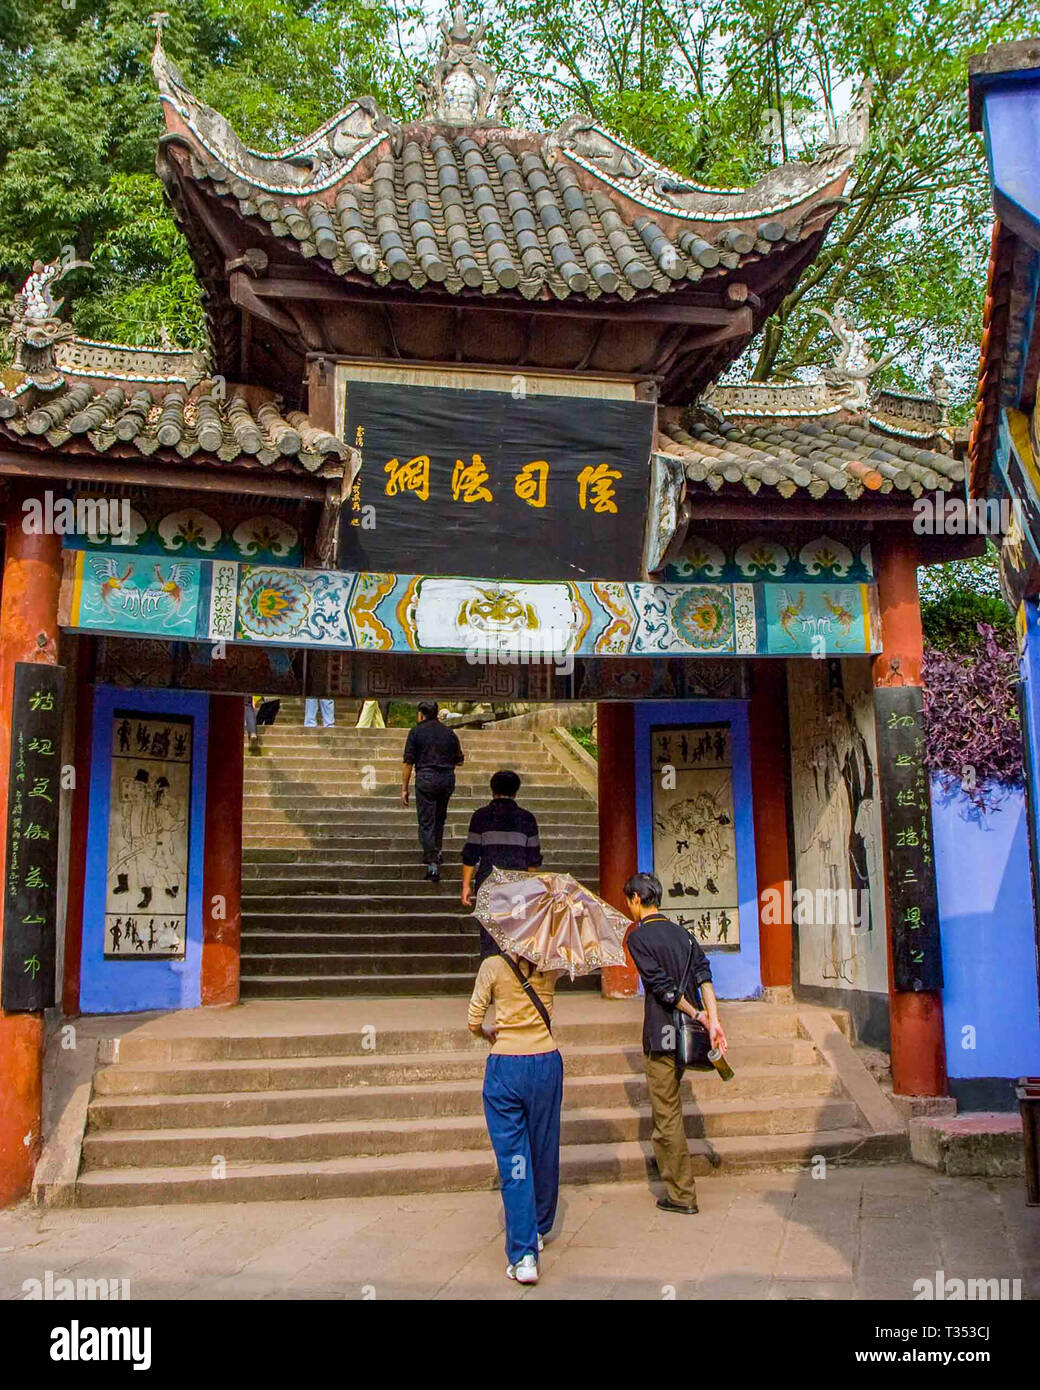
(724, 90)
(80, 119)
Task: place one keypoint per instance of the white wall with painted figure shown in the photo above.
(838, 900)
(694, 841)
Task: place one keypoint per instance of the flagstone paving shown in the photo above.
(857, 1233)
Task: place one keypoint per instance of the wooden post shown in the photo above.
(618, 849)
(28, 632)
(222, 856)
(917, 1043)
(768, 728)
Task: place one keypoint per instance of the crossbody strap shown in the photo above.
(530, 991)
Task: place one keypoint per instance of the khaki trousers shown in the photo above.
(669, 1135)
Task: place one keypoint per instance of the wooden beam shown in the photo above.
(282, 287)
(159, 475)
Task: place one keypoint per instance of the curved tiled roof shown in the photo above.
(839, 453)
(145, 409)
(482, 207)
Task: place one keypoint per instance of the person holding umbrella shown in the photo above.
(544, 925)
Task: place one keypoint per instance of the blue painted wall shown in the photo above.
(736, 974)
(988, 946)
(126, 986)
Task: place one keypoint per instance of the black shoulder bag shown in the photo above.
(692, 1041)
(531, 992)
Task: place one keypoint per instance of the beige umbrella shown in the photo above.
(551, 920)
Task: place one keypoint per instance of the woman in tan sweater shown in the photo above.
(523, 1090)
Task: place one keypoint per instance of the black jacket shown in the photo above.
(432, 747)
(661, 950)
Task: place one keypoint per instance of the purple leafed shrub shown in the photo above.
(973, 739)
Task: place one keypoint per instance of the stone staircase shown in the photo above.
(334, 899)
(361, 1097)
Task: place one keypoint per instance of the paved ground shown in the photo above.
(865, 1232)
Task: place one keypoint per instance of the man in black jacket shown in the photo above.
(434, 751)
(673, 968)
(502, 835)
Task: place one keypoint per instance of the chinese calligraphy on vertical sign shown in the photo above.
(909, 854)
(31, 865)
(695, 848)
(145, 907)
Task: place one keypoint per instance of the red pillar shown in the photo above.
(222, 857)
(28, 632)
(768, 723)
(618, 852)
(918, 1046)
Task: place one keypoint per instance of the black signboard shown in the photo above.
(906, 808)
(493, 485)
(31, 865)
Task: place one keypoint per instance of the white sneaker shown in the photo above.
(525, 1271)
(541, 1245)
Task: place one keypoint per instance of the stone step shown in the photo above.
(294, 1143)
(399, 820)
(368, 985)
(565, 847)
(301, 879)
(418, 1100)
(316, 966)
(265, 1032)
(265, 945)
(319, 858)
(339, 784)
(282, 739)
(438, 900)
(388, 798)
(401, 1174)
(374, 917)
(198, 1076)
(477, 771)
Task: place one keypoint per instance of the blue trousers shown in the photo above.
(522, 1098)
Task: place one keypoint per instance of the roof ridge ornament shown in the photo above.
(314, 161)
(853, 365)
(462, 87)
(35, 328)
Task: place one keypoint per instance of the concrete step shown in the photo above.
(368, 985)
(292, 1143)
(321, 860)
(301, 880)
(564, 846)
(418, 1100)
(553, 800)
(265, 1032)
(438, 899)
(400, 1174)
(386, 798)
(316, 966)
(279, 739)
(354, 811)
(201, 1076)
(257, 944)
(373, 920)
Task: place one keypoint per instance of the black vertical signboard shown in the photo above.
(31, 863)
(906, 808)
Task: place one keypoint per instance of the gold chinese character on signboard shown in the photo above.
(596, 488)
(468, 479)
(531, 484)
(413, 476)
